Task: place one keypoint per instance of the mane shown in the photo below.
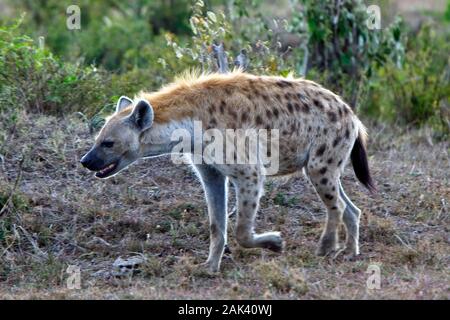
(179, 98)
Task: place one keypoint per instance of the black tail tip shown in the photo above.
(361, 166)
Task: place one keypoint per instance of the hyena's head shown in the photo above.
(117, 145)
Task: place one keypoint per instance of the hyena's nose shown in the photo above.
(84, 161)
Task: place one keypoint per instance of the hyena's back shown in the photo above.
(313, 122)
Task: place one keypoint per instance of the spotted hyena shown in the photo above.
(318, 132)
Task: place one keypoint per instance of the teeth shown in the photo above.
(106, 169)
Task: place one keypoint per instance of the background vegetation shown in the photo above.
(393, 74)
(57, 85)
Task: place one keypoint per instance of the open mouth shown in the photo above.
(106, 171)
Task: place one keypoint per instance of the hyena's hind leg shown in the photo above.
(351, 221)
(326, 182)
(249, 188)
(215, 187)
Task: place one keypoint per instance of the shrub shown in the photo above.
(335, 46)
(32, 78)
(416, 92)
(112, 32)
(342, 50)
(108, 41)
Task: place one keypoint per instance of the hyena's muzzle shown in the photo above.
(96, 160)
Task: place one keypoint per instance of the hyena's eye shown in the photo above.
(107, 144)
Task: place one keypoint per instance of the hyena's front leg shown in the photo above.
(215, 187)
(249, 188)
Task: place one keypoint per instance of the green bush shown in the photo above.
(418, 91)
(112, 32)
(447, 12)
(34, 79)
(336, 49)
(343, 49)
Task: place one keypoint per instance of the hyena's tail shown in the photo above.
(359, 159)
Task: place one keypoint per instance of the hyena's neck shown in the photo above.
(162, 137)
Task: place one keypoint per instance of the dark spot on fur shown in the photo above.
(276, 113)
(336, 141)
(245, 203)
(305, 108)
(329, 196)
(321, 149)
(288, 95)
(233, 114)
(293, 127)
(318, 104)
(324, 181)
(339, 163)
(347, 133)
(269, 113)
(213, 122)
(222, 107)
(244, 117)
(303, 98)
(290, 107)
(309, 128)
(297, 107)
(332, 116)
(283, 83)
(330, 161)
(325, 130)
(254, 205)
(323, 170)
(346, 111)
(333, 208)
(258, 120)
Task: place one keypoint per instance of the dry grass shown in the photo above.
(59, 214)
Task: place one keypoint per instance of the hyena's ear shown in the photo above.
(123, 103)
(142, 115)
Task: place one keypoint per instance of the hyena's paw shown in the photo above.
(272, 241)
(209, 267)
(347, 253)
(327, 246)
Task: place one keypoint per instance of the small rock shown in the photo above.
(127, 266)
